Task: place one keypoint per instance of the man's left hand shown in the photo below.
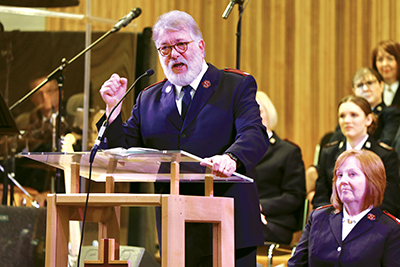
(222, 165)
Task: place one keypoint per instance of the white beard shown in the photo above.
(194, 68)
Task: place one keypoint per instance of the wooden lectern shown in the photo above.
(139, 165)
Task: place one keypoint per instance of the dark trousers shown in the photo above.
(276, 233)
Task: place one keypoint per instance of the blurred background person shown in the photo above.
(368, 83)
(39, 134)
(280, 180)
(357, 123)
(385, 58)
(39, 125)
(353, 231)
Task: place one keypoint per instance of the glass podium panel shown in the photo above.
(133, 165)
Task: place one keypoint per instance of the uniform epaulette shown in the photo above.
(334, 143)
(236, 71)
(154, 84)
(391, 216)
(330, 205)
(386, 146)
(287, 140)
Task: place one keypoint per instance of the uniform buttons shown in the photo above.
(339, 249)
(183, 135)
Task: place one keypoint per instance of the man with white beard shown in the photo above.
(205, 111)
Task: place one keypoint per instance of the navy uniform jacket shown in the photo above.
(329, 154)
(396, 99)
(374, 241)
(280, 181)
(222, 117)
(388, 124)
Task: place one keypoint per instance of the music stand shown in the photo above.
(7, 127)
(7, 122)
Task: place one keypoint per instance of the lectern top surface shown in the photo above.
(135, 164)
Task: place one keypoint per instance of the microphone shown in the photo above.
(2, 41)
(103, 127)
(229, 9)
(127, 19)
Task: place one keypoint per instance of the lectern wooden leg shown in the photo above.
(173, 231)
(224, 236)
(178, 209)
(220, 212)
(57, 233)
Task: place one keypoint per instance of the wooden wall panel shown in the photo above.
(303, 53)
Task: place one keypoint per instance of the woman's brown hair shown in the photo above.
(375, 175)
(365, 107)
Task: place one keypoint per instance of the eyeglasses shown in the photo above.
(180, 47)
(388, 58)
(360, 86)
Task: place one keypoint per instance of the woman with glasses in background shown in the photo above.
(368, 83)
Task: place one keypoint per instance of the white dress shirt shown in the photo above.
(194, 84)
(349, 222)
(389, 92)
(359, 146)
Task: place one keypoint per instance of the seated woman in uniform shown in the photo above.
(353, 230)
(280, 180)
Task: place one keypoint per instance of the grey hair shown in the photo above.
(175, 21)
(272, 116)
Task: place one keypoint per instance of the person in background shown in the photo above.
(39, 128)
(385, 58)
(357, 123)
(38, 125)
(352, 231)
(368, 83)
(205, 111)
(280, 180)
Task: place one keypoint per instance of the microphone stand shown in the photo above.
(225, 15)
(9, 162)
(104, 126)
(57, 74)
(239, 34)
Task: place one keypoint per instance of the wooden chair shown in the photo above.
(272, 254)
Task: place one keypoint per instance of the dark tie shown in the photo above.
(186, 100)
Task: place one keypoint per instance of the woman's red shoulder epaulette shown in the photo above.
(331, 144)
(236, 71)
(391, 216)
(154, 84)
(330, 205)
(386, 146)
